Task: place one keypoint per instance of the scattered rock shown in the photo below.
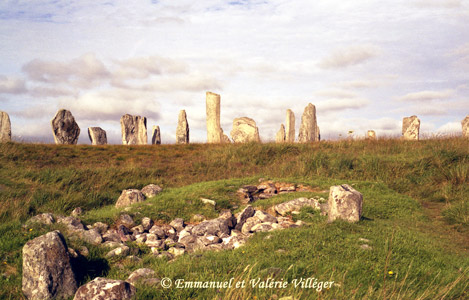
(45, 218)
(129, 197)
(177, 224)
(147, 223)
(104, 288)
(64, 128)
(198, 218)
(97, 136)
(265, 217)
(250, 222)
(134, 130)
(411, 128)
(371, 135)
(72, 223)
(208, 201)
(5, 127)
(91, 236)
(366, 247)
(118, 252)
(76, 212)
(182, 131)
(345, 203)
(218, 227)
(245, 130)
(151, 190)
(296, 205)
(126, 220)
(177, 251)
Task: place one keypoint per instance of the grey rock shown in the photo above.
(129, 197)
(156, 135)
(118, 252)
(97, 136)
(147, 223)
(193, 243)
(5, 127)
(182, 130)
(71, 223)
(250, 222)
(177, 224)
(265, 217)
(214, 131)
(105, 289)
(344, 203)
(111, 244)
(177, 251)
(243, 216)
(151, 190)
(45, 218)
(141, 276)
(158, 231)
(47, 272)
(137, 230)
(198, 218)
(153, 241)
(126, 220)
(262, 227)
(296, 205)
(411, 128)
(91, 236)
(101, 227)
(134, 130)
(234, 242)
(216, 227)
(245, 130)
(66, 131)
(309, 131)
(112, 235)
(210, 239)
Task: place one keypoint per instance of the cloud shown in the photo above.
(350, 56)
(438, 3)
(46, 92)
(12, 85)
(144, 67)
(335, 93)
(426, 96)
(450, 127)
(336, 105)
(461, 55)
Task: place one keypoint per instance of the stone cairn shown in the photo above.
(134, 130)
(465, 127)
(5, 127)
(309, 130)
(280, 137)
(182, 130)
(64, 128)
(411, 128)
(156, 136)
(97, 136)
(290, 127)
(245, 130)
(371, 135)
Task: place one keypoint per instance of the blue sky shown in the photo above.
(364, 64)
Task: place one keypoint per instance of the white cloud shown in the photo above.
(426, 96)
(12, 85)
(438, 3)
(335, 93)
(350, 56)
(336, 105)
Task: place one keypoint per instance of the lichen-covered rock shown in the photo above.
(250, 222)
(47, 272)
(72, 223)
(344, 203)
(105, 289)
(218, 227)
(126, 220)
(192, 242)
(129, 197)
(147, 223)
(64, 128)
(265, 217)
(182, 130)
(5, 127)
(177, 224)
(411, 128)
(134, 130)
(45, 218)
(97, 136)
(118, 252)
(151, 190)
(245, 130)
(296, 205)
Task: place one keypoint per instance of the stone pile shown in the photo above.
(134, 130)
(66, 131)
(267, 189)
(182, 130)
(5, 127)
(97, 136)
(411, 128)
(245, 130)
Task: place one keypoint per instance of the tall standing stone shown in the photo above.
(371, 135)
(182, 131)
(156, 136)
(465, 127)
(64, 128)
(134, 130)
(5, 127)
(97, 136)
(280, 137)
(214, 132)
(309, 130)
(290, 127)
(411, 128)
(245, 130)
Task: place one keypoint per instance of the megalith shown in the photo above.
(411, 128)
(245, 130)
(344, 203)
(5, 127)
(64, 128)
(134, 130)
(97, 136)
(290, 127)
(309, 130)
(371, 135)
(465, 127)
(156, 135)
(214, 132)
(182, 130)
(280, 137)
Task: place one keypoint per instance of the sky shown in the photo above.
(364, 64)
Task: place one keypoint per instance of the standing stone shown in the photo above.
(290, 127)
(225, 139)
(134, 130)
(182, 131)
(64, 128)
(465, 127)
(214, 132)
(309, 130)
(371, 135)
(344, 203)
(245, 130)
(411, 128)
(5, 127)
(156, 136)
(47, 272)
(97, 136)
(280, 137)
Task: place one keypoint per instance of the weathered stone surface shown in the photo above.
(129, 197)
(290, 127)
(182, 130)
(250, 222)
(134, 130)
(73, 224)
(126, 220)
(243, 216)
(214, 131)
(47, 272)
(142, 276)
(177, 224)
(265, 217)
(411, 128)
(91, 236)
(176, 251)
(103, 288)
(147, 223)
(295, 205)
(151, 190)
(192, 242)
(262, 227)
(156, 136)
(245, 130)
(218, 227)
(345, 203)
(45, 218)
(309, 127)
(120, 251)
(76, 212)
(280, 137)
(465, 127)
(371, 135)
(5, 127)
(101, 227)
(64, 128)
(225, 139)
(97, 136)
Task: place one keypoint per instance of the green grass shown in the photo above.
(415, 213)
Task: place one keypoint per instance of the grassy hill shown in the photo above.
(416, 213)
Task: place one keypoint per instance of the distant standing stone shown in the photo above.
(245, 130)
(5, 127)
(371, 135)
(182, 130)
(214, 132)
(156, 136)
(290, 127)
(411, 128)
(465, 127)
(344, 203)
(64, 128)
(97, 136)
(309, 130)
(280, 137)
(226, 139)
(134, 130)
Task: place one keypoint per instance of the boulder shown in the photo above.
(134, 130)
(465, 127)
(156, 136)
(64, 128)
(47, 272)
(97, 136)
(151, 190)
(182, 130)
(344, 203)
(295, 205)
(280, 136)
(104, 288)
(290, 127)
(5, 127)
(309, 131)
(371, 135)
(214, 131)
(411, 128)
(244, 130)
(129, 197)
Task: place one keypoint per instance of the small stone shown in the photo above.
(198, 218)
(126, 220)
(147, 223)
(101, 227)
(129, 197)
(83, 251)
(366, 247)
(265, 217)
(140, 274)
(137, 229)
(104, 288)
(176, 251)
(250, 222)
(151, 190)
(46, 219)
(111, 244)
(243, 216)
(208, 201)
(295, 205)
(76, 212)
(71, 223)
(177, 224)
(118, 252)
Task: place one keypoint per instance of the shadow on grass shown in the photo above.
(89, 269)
